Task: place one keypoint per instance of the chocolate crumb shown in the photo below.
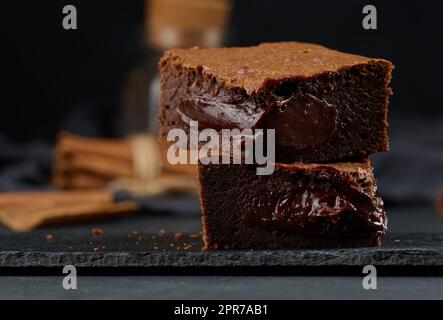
(97, 232)
(439, 202)
(178, 235)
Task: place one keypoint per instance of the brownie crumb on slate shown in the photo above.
(97, 232)
(178, 235)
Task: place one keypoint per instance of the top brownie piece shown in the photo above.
(324, 105)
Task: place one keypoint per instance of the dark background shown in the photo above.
(57, 79)
(50, 70)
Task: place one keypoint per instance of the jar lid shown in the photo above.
(186, 23)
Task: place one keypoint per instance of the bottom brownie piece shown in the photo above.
(298, 206)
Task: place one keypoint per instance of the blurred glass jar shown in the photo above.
(169, 24)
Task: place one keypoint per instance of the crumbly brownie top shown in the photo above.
(250, 67)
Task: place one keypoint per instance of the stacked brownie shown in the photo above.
(329, 112)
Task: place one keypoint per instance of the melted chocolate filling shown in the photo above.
(316, 206)
(301, 121)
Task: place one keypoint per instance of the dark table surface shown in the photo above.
(213, 286)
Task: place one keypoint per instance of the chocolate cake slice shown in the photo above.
(298, 206)
(325, 105)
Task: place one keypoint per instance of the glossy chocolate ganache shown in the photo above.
(325, 202)
(301, 121)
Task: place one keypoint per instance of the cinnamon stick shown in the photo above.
(165, 183)
(117, 148)
(99, 164)
(86, 163)
(78, 181)
(27, 217)
(54, 198)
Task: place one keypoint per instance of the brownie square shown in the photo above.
(298, 206)
(324, 105)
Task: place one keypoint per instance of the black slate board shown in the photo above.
(120, 250)
(150, 250)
